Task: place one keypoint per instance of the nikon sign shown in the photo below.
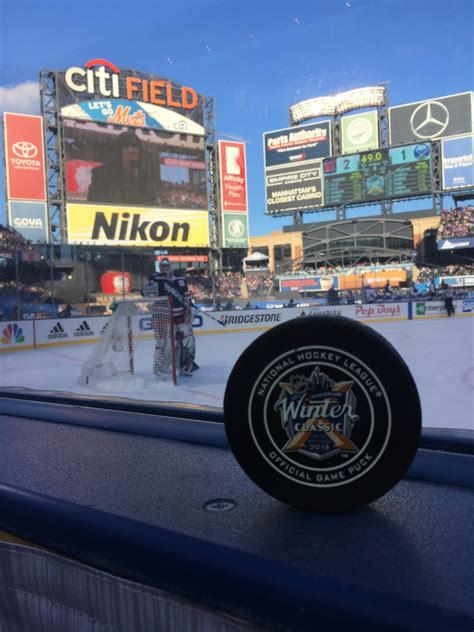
(136, 226)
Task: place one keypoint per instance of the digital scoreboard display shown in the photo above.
(395, 172)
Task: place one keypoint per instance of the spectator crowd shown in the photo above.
(258, 284)
(456, 222)
(9, 239)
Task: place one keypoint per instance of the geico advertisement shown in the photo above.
(136, 226)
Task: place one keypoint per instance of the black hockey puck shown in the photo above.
(322, 413)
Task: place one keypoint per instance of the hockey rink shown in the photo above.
(439, 352)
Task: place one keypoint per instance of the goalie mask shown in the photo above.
(165, 267)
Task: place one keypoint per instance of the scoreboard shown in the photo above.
(395, 172)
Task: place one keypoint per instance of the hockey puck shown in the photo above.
(322, 413)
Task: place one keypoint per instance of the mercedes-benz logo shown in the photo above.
(429, 119)
(24, 149)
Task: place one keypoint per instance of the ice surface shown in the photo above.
(439, 352)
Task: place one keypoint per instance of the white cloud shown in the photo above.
(23, 97)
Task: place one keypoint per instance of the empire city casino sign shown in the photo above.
(101, 77)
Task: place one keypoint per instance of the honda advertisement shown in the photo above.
(431, 119)
(24, 157)
(458, 162)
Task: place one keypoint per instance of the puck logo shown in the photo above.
(318, 406)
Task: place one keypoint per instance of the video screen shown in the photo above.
(129, 166)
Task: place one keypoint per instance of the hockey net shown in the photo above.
(137, 348)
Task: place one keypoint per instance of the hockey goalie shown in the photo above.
(166, 284)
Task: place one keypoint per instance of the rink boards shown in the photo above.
(42, 333)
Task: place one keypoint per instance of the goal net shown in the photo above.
(137, 348)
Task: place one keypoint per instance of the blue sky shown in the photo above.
(254, 57)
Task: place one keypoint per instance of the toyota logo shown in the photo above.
(24, 149)
(429, 119)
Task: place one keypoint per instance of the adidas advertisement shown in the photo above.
(83, 330)
(69, 330)
(57, 332)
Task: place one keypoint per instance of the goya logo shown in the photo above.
(420, 309)
(12, 334)
(326, 416)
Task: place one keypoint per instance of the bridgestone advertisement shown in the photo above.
(293, 166)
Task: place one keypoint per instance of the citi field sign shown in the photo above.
(100, 77)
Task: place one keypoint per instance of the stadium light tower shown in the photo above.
(370, 96)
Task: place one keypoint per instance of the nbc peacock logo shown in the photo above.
(12, 334)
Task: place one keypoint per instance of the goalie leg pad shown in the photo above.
(186, 348)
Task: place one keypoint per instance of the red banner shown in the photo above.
(184, 258)
(233, 176)
(24, 157)
(187, 164)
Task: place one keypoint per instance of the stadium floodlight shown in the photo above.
(370, 96)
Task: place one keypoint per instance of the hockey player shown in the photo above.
(448, 297)
(165, 283)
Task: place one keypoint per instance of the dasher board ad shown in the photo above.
(294, 188)
(112, 225)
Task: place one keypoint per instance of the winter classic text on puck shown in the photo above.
(322, 413)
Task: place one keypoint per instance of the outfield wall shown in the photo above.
(43, 333)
